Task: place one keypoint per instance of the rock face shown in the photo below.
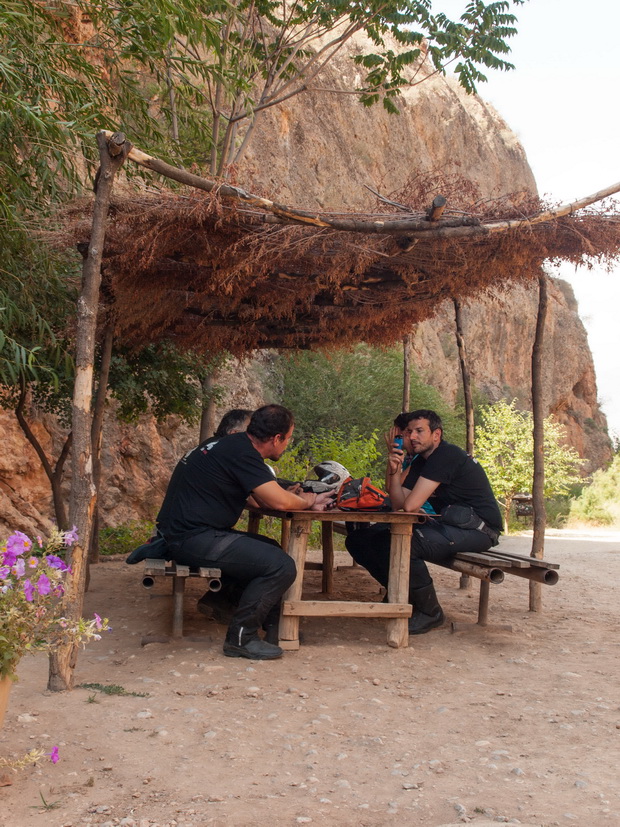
(320, 150)
(499, 332)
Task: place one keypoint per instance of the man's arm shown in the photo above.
(272, 495)
(419, 494)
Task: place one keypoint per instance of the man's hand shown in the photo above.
(324, 502)
(395, 455)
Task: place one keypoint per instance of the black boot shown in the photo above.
(241, 644)
(427, 613)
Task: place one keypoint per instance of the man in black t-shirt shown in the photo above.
(442, 474)
(206, 495)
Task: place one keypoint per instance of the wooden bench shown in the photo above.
(179, 574)
(490, 566)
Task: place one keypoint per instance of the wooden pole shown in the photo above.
(538, 412)
(112, 153)
(464, 581)
(465, 376)
(415, 226)
(406, 371)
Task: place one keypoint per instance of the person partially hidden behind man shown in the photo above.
(444, 475)
(206, 495)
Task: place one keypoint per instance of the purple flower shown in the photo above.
(19, 568)
(4, 572)
(71, 536)
(18, 542)
(43, 584)
(9, 558)
(98, 622)
(53, 755)
(28, 590)
(56, 562)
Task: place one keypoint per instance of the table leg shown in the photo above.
(297, 546)
(285, 534)
(398, 583)
(254, 523)
(327, 540)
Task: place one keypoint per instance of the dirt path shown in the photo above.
(482, 726)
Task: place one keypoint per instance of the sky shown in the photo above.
(561, 100)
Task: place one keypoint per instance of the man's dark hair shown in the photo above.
(434, 420)
(233, 421)
(269, 421)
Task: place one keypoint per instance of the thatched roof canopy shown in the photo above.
(220, 271)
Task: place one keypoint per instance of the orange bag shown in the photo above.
(362, 495)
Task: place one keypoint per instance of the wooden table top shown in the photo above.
(336, 515)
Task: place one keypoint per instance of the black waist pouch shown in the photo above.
(464, 516)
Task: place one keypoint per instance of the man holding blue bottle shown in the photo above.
(459, 491)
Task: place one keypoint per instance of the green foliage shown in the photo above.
(353, 392)
(504, 446)
(160, 379)
(599, 502)
(112, 689)
(124, 538)
(357, 453)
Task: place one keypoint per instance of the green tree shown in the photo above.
(270, 52)
(353, 392)
(504, 447)
(599, 502)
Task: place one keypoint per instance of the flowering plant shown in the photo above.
(31, 588)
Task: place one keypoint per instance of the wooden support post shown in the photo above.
(113, 149)
(398, 583)
(254, 523)
(327, 539)
(297, 547)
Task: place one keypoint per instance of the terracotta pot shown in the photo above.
(5, 688)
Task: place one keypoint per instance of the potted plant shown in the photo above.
(31, 588)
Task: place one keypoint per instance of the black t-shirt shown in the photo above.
(461, 480)
(210, 486)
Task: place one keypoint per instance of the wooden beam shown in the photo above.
(343, 608)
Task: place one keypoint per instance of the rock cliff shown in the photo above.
(321, 149)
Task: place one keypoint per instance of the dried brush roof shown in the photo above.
(222, 271)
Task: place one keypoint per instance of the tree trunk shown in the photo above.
(112, 154)
(97, 431)
(538, 482)
(467, 394)
(406, 372)
(54, 475)
(207, 419)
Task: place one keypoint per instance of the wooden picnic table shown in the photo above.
(296, 526)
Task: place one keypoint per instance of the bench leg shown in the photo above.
(483, 613)
(178, 590)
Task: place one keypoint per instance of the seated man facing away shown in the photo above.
(206, 495)
(445, 475)
(233, 422)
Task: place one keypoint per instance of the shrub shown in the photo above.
(125, 537)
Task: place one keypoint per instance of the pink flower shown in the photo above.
(33, 562)
(71, 536)
(53, 755)
(43, 584)
(98, 622)
(4, 572)
(28, 590)
(19, 569)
